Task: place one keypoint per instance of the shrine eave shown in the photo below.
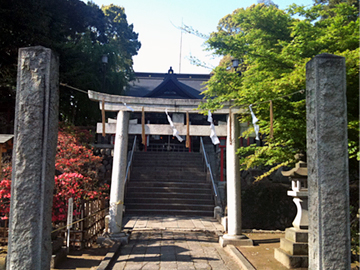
(151, 104)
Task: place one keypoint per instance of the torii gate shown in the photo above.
(118, 104)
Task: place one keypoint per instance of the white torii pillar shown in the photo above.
(233, 182)
(118, 172)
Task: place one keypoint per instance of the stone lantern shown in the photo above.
(299, 190)
(293, 251)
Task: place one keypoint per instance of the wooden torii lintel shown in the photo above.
(117, 103)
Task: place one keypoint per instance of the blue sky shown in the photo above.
(158, 22)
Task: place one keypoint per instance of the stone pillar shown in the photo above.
(233, 235)
(327, 158)
(36, 127)
(233, 178)
(118, 172)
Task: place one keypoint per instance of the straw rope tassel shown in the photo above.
(271, 120)
(103, 117)
(143, 126)
(187, 130)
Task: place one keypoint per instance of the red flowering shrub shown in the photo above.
(74, 154)
(76, 178)
(5, 187)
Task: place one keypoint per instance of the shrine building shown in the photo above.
(171, 85)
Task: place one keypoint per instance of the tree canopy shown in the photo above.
(273, 47)
(80, 34)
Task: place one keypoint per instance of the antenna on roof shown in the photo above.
(182, 26)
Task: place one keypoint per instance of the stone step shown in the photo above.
(293, 248)
(172, 190)
(169, 184)
(168, 154)
(169, 169)
(169, 200)
(207, 196)
(167, 163)
(176, 179)
(168, 160)
(167, 176)
(296, 235)
(169, 206)
(291, 261)
(169, 212)
(166, 169)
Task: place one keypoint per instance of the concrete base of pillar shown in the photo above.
(236, 240)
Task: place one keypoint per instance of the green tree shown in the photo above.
(119, 42)
(267, 3)
(33, 22)
(274, 48)
(80, 33)
(333, 3)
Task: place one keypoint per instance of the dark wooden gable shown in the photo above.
(172, 88)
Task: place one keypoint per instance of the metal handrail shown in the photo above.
(217, 199)
(130, 160)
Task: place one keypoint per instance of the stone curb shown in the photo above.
(261, 231)
(174, 229)
(110, 257)
(239, 257)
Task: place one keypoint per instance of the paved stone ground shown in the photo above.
(182, 250)
(173, 242)
(172, 222)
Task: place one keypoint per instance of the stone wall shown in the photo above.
(105, 170)
(265, 205)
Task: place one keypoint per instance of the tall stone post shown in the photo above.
(233, 183)
(118, 172)
(36, 127)
(327, 158)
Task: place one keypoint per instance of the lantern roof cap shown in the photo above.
(300, 170)
(5, 137)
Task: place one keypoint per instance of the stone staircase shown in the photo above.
(168, 183)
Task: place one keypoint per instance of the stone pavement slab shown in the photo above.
(165, 249)
(172, 222)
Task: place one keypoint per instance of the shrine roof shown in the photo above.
(167, 85)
